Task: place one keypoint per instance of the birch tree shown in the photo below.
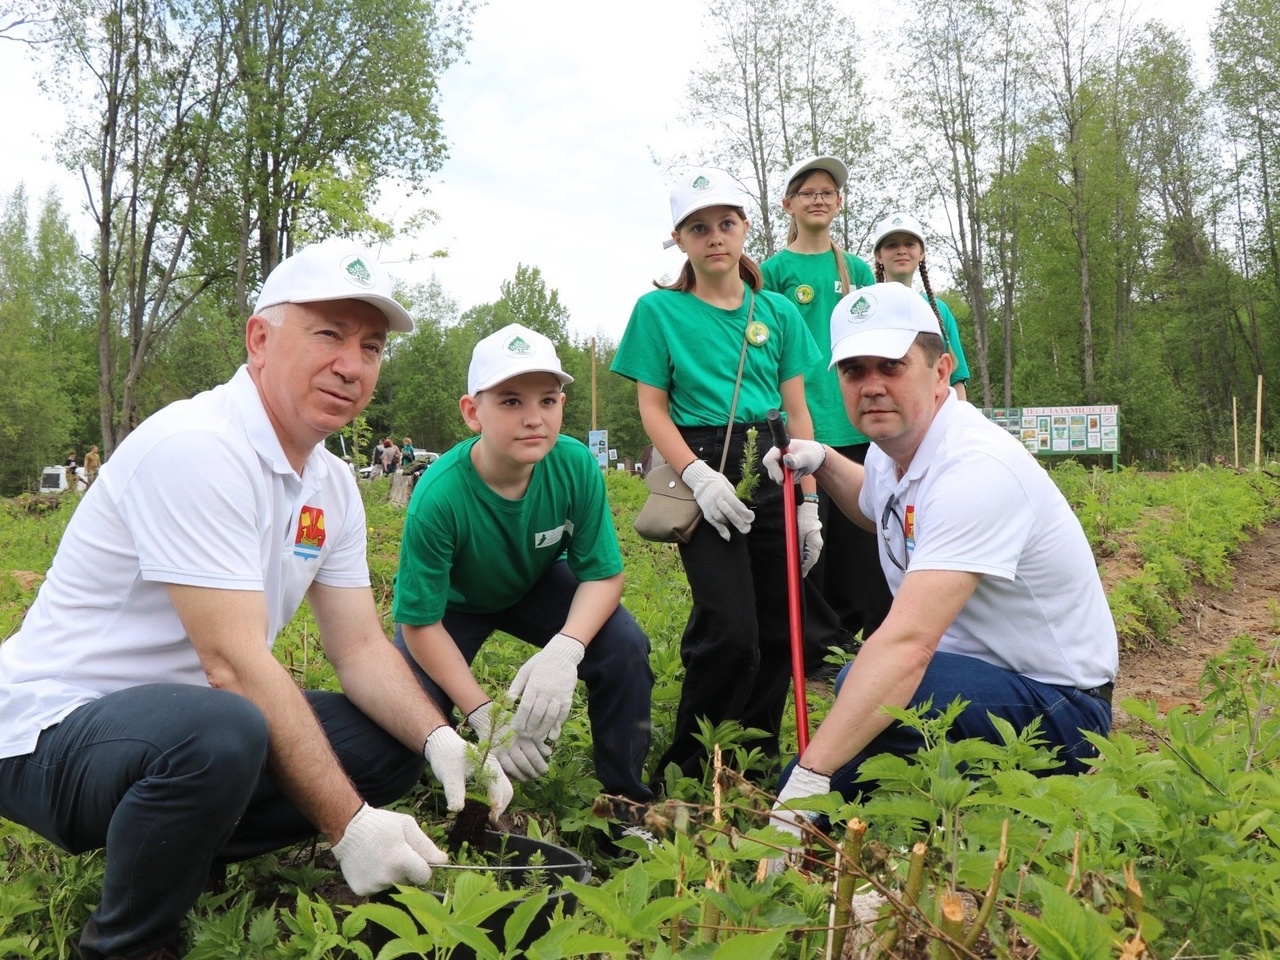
(963, 70)
(1071, 70)
(143, 142)
(786, 85)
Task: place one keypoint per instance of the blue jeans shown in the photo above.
(615, 669)
(171, 778)
(1065, 714)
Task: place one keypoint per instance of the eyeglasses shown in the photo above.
(809, 196)
(891, 510)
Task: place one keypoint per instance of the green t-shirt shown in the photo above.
(690, 349)
(811, 281)
(466, 548)
(952, 330)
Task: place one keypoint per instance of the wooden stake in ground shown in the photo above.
(1257, 430)
(1235, 431)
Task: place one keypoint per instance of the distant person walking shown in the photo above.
(92, 462)
(390, 457)
(375, 460)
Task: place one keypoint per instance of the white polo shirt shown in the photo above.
(199, 494)
(975, 500)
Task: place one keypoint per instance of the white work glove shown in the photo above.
(810, 536)
(545, 688)
(789, 817)
(804, 457)
(380, 848)
(447, 754)
(716, 498)
(522, 757)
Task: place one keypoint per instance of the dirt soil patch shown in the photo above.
(1211, 618)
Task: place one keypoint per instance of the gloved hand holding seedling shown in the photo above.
(475, 788)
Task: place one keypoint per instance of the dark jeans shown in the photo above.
(170, 778)
(615, 669)
(736, 645)
(845, 592)
(1065, 715)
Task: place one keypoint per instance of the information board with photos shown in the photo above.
(1062, 431)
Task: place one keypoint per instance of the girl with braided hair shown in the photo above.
(898, 245)
(845, 593)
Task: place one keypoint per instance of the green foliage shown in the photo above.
(1184, 803)
(47, 393)
(1182, 529)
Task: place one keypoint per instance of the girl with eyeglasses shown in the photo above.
(898, 247)
(845, 592)
(684, 346)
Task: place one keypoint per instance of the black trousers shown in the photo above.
(171, 778)
(736, 644)
(845, 592)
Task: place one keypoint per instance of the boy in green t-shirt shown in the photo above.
(511, 530)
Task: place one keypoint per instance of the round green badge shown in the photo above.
(804, 293)
(757, 334)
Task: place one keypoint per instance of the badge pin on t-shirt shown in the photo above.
(310, 536)
(757, 334)
(804, 293)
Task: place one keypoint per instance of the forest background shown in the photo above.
(1104, 210)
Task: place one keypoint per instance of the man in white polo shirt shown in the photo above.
(997, 599)
(141, 709)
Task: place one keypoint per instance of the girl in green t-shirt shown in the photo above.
(898, 246)
(845, 593)
(683, 346)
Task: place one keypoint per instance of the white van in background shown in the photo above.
(56, 479)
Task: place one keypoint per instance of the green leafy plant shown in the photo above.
(746, 487)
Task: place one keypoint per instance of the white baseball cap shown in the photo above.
(513, 350)
(839, 172)
(879, 321)
(896, 223)
(704, 188)
(334, 270)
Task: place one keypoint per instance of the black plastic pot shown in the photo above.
(511, 855)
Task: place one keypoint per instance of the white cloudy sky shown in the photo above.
(553, 124)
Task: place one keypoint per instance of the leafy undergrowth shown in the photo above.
(1165, 534)
(1170, 846)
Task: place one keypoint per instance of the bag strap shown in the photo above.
(737, 384)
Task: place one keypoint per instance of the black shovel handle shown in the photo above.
(778, 430)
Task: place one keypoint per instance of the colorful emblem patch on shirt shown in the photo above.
(310, 536)
(909, 527)
(757, 334)
(804, 293)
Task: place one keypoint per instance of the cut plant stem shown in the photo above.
(846, 863)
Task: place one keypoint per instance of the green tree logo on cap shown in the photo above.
(518, 346)
(358, 272)
(859, 309)
(700, 183)
(897, 221)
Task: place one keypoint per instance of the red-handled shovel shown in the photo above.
(778, 429)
